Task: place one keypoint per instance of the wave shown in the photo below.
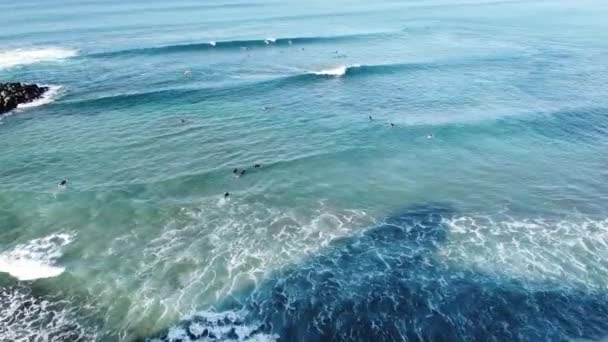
(359, 69)
(248, 88)
(299, 78)
(46, 98)
(253, 88)
(13, 58)
(234, 45)
(35, 259)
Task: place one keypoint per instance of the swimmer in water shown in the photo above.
(235, 171)
(257, 165)
(429, 136)
(243, 172)
(392, 124)
(63, 182)
(226, 195)
(265, 107)
(183, 121)
(370, 118)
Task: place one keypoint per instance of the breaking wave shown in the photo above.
(337, 71)
(48, 97)
(18, 57)
(35, 259)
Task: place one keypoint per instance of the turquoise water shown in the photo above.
(479, 215)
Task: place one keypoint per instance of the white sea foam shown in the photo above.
(25, 317)
(567, 252)
(13, 58)
(221, 247)
(270, 40)
(46, 98)
(216, 326)
(35, 259)
(212, 43)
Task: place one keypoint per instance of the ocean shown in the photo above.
(427, 170)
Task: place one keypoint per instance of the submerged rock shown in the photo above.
(14, 94)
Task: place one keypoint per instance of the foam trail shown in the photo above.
(46, 98)
(35, 259)
(13, 58)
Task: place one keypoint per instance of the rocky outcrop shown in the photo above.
(14, 94)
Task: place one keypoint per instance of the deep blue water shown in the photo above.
(429, 171)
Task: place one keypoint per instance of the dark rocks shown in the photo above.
(14, 94)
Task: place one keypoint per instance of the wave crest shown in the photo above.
(337, 71)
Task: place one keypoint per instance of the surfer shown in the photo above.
(226, 195)
(370, 118)
(257, 165)
(392, 124)
(243, 172)
(64, 182)
(235, 171)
